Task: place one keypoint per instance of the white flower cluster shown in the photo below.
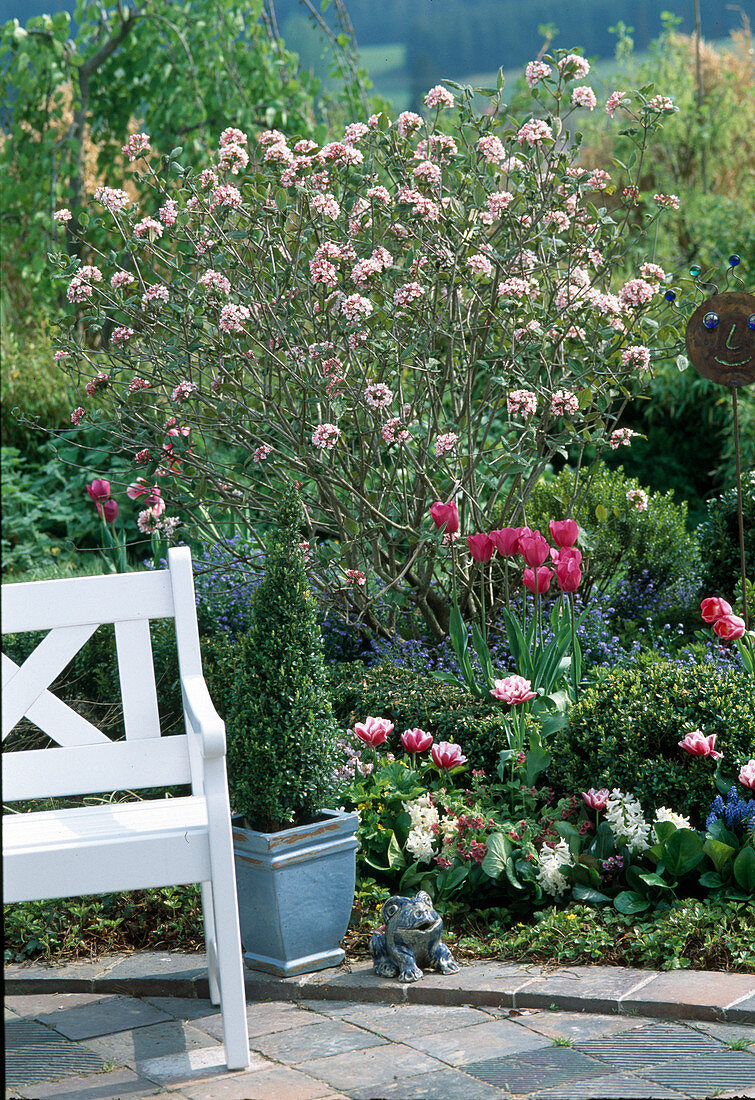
(549, 874)
(421, 839)
(663, 813)
(624, 815)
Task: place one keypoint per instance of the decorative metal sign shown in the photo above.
(720, 338)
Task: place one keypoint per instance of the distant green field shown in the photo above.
(383, 59)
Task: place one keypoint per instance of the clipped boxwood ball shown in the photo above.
(625, 729)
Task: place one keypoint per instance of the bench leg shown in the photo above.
(210, 941)
(230, 969)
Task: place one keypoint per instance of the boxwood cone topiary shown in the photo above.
(271, 689)
(625, 729)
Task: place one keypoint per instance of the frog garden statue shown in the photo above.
(413, 932)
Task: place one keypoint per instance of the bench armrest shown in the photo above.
(203, 718)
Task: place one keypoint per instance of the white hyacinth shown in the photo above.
(551, 860)
(421, 839)
(624, 815)
(663, 813)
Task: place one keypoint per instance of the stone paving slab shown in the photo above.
(401, 1022)
(707, 1074)
(447, 1084)
(377, 1066)
(604, 990)
(85, 1015)
(130, 1048)
(473, 1044)
(274, 1083)
(617, 1086)
(324, 1038)
(97, 1086)
(537, 1070)
(579, 1025)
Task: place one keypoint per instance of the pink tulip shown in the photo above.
(416, 740)
(714, 608)
(564, 532)
(729, 627)
(445, 515)
(537, 580)
(99, 489)
(697, 744)
(534, 548)
(373, 731)
(447, 756)
(747, 775)
(481, 547)
(108, 509)
(513, 690)
(596, 800)
(506, 541)
(568, 575)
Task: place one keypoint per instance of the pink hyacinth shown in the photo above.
(446, 756)
(513, 690)
(373, 731)
(697, 744)
(416, 740)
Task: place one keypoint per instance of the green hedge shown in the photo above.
(625, 729)
(410, 699)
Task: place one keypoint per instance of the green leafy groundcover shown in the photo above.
(690, 935)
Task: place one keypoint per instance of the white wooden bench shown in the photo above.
(122, 845)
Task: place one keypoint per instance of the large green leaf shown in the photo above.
(499, 850)
(719, 852)
(629, 902)
(396, 858)
(588, 894)
(744, 869)
(683, 851)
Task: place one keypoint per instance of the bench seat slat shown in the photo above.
(117, 846)
(92, 769)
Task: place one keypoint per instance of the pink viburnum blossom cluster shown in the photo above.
(136, 146)
(325, 436)
(584, 96)
(564, 403)
(445, 443)
(262, 452)
(535, 71)
(522, 403)
(621, 437)
(638, 498)
(439, 97)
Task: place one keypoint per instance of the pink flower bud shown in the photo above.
(697, 744)
(373, 731)
(481, 547)
(714, 608)
(513, 690)
(729, 627)
(416, 740)
(596, 800)
(446, 756)
(445, 514)
(564, 532)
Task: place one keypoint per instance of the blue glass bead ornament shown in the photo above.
(670, 295)
(751, 321)
(710, 320)
(695, 270)
(734, 260)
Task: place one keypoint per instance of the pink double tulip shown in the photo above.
(697, 744)
(564, 532)
(729, 627)
(416, 740)
(481, 547)
(714, 608)
(513, 690)
(596, 799)
(445, 516)
(373, 731)
(446, 756)
(747, 775)
(506, 541)
(537, 580)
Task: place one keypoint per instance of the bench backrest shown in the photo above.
(84, 760)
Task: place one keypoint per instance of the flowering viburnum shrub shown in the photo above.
(423, 307)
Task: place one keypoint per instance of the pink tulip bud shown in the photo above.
(513, 690)
(729, 627)
(373, 731)
(416, 740)
(596, 800)
(445, 515)
(446, 756)
(108, 509)
(537, 580)
(564, 532)
(481, 547)
(534, 548)
(99, 489)
(506, 541)
(747, 775)
(697, 744)
(714, 608)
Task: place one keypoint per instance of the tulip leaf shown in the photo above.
(396, 858)
(483, 653)
(536, 761)
(744, 869)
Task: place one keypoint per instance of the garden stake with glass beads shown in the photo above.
(720, 339)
